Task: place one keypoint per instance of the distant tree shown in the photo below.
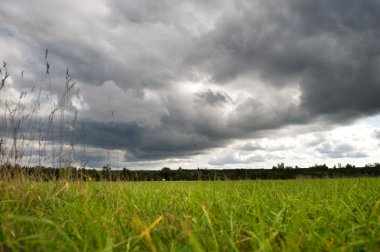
(375, 165)
(106, 172)
(124, 174)
(349, 166)
(319, 167)
(280, 166)
(165, 169)
(166, 173)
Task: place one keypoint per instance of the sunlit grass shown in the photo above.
(297, 215)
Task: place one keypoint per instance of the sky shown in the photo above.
(210, 84)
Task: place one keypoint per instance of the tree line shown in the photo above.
(9, 171)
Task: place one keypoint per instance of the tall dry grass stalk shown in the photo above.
(31, 135)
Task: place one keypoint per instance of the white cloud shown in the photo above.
(353, 144)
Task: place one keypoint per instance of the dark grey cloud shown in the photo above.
(265, 147)
(97, 46)
(252, 114)
(212, 98)
(144, 143)
(142, 12)
(328, 48)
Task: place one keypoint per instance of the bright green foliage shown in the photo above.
(295, 215)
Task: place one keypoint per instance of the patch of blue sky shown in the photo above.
(4, 32)
(373, 121)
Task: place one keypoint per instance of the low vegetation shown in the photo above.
(290, 215)
(38, 173)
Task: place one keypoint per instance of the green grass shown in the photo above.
(295, 215)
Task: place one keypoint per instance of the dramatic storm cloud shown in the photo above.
(210, 83)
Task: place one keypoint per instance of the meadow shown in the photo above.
(256, 215)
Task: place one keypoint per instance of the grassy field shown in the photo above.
(294, 215)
